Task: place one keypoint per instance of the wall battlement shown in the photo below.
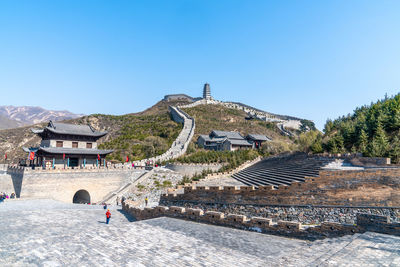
(365, 222)
(371, 187)
(18, 169)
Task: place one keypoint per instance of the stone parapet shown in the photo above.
(367, 222)
(20, 169)
(305, 214)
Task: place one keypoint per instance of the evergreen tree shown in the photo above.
(380, 143)
(317, 147)
(395, 150)
(363, 141)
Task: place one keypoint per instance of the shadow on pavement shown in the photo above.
(127, 215)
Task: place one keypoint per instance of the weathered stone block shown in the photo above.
(194, 214)
(266, 188)
(215, 188)
(213, 217)
(189, 189)
(289, 226)
(231, 188)
(366, 219)
(247, 188)
(175, 211)
(161, 210)
(201, 188)
(235, 219)
(263, 223)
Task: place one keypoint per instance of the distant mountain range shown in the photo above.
(12, 117)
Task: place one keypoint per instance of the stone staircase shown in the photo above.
(112, 196)
(282, 170)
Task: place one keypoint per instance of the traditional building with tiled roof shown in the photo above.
(257, 139)
(67, 145)
(224, 140)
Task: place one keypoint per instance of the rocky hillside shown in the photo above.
(151, 132)
(6, 123)
(11, 117)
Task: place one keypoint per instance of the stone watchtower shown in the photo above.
(207, 92)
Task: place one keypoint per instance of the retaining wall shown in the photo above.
(372, 187)
(193, 169)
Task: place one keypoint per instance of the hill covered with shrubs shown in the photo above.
(373, 130)
(137, 135)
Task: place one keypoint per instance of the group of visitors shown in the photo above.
(4, 196)
(120, 200)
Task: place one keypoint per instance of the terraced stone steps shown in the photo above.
(282, 170)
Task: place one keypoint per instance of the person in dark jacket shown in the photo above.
(108, 216)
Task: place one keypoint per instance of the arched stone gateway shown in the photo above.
(81, 197)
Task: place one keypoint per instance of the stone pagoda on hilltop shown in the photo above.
(67, 145)
(207, 92)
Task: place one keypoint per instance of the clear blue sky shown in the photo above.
(311, 59)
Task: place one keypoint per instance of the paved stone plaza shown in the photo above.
(49, 233)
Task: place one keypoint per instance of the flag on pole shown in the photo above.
(5, 156)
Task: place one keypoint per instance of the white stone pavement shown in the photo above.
(48, 233)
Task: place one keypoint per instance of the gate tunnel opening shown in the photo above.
(81, 197)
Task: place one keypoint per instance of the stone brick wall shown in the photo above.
(193, 169)
(373, 187)
(62, 185)
(366, 222)
(370, 162)
(302, 214)
(181, 143)
(6, 183)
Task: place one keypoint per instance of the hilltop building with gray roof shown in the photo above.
(231, 141)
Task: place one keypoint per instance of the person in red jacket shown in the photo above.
(108, 216)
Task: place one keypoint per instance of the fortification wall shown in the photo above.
(193, 169)
(286, 121)
(373, 187)
(365, 222)
(181, 143)
(6, 183)
(62, 185)
(177, 117)
(301, 213)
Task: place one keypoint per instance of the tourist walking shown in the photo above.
(146, 201)
(117, 200)
(108, 216)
